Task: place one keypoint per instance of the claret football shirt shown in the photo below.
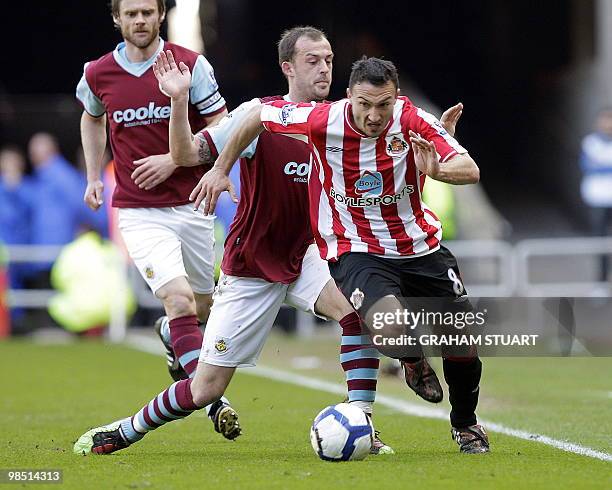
(271, 230)
(138, 115)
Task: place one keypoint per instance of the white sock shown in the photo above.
(365, 406)
(208, 407)
(165, 330)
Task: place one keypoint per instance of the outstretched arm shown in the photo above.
(216, 180)
(174, 81)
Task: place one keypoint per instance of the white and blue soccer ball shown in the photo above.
(342, 432)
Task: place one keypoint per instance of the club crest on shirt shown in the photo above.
(285, 115)
(396, 145)
(221, 345)
(149, 272)
(357, 297)
(369, 184)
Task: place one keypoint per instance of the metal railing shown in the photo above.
(575, 281)
(514, 270)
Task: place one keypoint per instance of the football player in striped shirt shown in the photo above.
(371, 153)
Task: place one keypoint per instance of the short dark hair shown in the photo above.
(373, 70)
(286, 44)
(115, 5)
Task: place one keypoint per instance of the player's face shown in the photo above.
(139, 21)
(372, 106)
(311, 68)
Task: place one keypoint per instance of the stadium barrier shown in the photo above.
(490, 268)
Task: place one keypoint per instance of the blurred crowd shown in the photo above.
(41, 203)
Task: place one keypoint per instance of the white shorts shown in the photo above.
(245, 308)
(166, 243)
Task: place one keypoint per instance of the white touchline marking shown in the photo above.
(153, 346)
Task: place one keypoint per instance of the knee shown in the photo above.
(207, 390)
(331, 303)
(179, 303)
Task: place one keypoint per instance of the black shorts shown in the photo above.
(365, 278)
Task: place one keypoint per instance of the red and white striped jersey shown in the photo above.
(364, 192)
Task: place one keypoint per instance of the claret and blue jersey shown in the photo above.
(270, 232)
(139, 116)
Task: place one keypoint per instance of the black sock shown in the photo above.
(463, 379)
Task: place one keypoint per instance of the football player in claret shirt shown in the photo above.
(171, 245)
(370, 155)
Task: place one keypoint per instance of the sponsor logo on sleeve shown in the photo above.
(439, 128)
(286, 114)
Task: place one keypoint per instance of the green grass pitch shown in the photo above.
(53, 393)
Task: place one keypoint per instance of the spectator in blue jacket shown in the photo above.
(16, 197)
(596, 188)
(16, 203)
(59, 212)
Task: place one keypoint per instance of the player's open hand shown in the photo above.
(425, 155)
(152, 171)
(450, 118)
(210, 187)
(94, 194)
(174, 81)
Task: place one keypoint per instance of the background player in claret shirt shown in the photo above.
(171, 245)
(382, 241)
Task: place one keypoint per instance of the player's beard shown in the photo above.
(141, 42)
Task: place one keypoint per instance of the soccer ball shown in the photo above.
(342, 432)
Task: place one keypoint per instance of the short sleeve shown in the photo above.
(430, 128)
(204, 92)
(287, 118)
(218, 135)
(90, 102)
